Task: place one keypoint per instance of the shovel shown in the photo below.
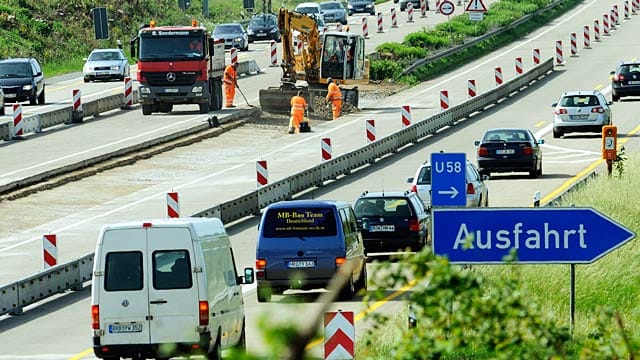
(244, 97)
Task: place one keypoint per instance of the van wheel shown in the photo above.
(146, 109)
(242, 342)
(41, 97)
(362, 282)
(349, 290)
(264, 293)
(216, 352)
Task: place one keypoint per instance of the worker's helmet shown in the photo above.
(329, 80)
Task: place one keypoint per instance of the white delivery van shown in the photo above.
(165, 288)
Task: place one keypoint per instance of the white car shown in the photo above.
(580, 111)
(477, 191)
(106, 64)
(309, 8)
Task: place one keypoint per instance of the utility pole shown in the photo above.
(205, 8)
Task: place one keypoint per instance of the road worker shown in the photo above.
(298, 106)
(334, 96)
(230, 84)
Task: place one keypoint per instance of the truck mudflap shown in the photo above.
(277, 100)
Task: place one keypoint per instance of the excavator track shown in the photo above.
(276, 100)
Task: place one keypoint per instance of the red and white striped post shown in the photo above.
(49, 251)
(587, 41)
(596, 30)
(605, 24)
(471, 88)
(394, 19)
(612, 19)
(380, 26)
(128, 94)
(370, 128)
(626, 9)
(635, 4)
(409, 12)
(498, 75)
(339, 27)
(262, 176)
(173, 205)
(406, 116)
(574, 44)
(617, 14)
(444, 100)
(18, 129)
(437, 6)
(339, 335)
(559, 57)
(365, 28)
(77, 101)
(536, 56)
(325, 148)
(518, 65)
(423, 8)
(274, 53)
(234, 55)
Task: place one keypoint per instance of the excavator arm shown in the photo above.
(304, 66)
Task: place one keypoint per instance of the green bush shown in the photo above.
(428, 39)
(384, 69)
(400, 51)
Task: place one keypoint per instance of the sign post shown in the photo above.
(448, 179)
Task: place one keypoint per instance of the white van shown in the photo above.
(164, 288)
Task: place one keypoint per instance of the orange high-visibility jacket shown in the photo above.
(230, 76)
(334, 92)
(298, 104)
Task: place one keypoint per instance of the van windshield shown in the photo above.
(299, 222)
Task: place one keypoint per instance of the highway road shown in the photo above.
(223, 167)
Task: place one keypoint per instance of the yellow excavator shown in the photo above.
(332, 54)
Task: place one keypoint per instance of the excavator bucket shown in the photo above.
(277, 100)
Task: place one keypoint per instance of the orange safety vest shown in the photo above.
(298, 104)
(230, 75)
(334, 92)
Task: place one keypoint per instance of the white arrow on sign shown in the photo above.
(453, 192)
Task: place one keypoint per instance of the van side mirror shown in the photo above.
(612, 73)
(554, 104)
(409, 180)
(476, 143)
(248, 276)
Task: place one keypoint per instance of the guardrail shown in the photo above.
(14, 296)
(65, 115)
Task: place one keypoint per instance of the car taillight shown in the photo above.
(560, 111)
(340, 261)
(470, 189)
(95, 317)
(414, 188)
(619, 77)
(414, 225)
(597, 109)
(483, 151)
(261, 264)
(203, 311)
(527, 150)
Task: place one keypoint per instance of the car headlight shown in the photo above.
(350, 6)
(369, 5)
(144, 90)
(196, 89)
(27, 87)
(249, 32)
(115, 67)
(274, 30)
(237, 39)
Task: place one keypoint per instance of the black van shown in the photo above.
(302, 243)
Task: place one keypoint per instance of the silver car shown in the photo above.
(477, 191)
(233, 35)
(333, 11)
(580, 111)
(105, 64)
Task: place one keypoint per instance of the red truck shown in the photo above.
(178, 65)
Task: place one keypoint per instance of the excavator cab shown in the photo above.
(343, 56)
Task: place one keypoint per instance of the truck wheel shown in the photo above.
(204, 108)
(146, 109)
(216, 351)
(349, 290)
(216, 94)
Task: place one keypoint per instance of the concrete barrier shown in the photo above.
(12, 300)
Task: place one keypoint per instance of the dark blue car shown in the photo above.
(263, 27)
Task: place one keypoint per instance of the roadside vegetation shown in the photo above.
(391, 59)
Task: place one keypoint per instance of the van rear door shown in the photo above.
(173, 289)
(123, 301)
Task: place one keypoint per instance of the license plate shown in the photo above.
(580, 117)
(125, 328)
(505, 151)
(9, 96)
(633, 82)
(301, 264)
(382, 228)
(171, 90)
(262, 34)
